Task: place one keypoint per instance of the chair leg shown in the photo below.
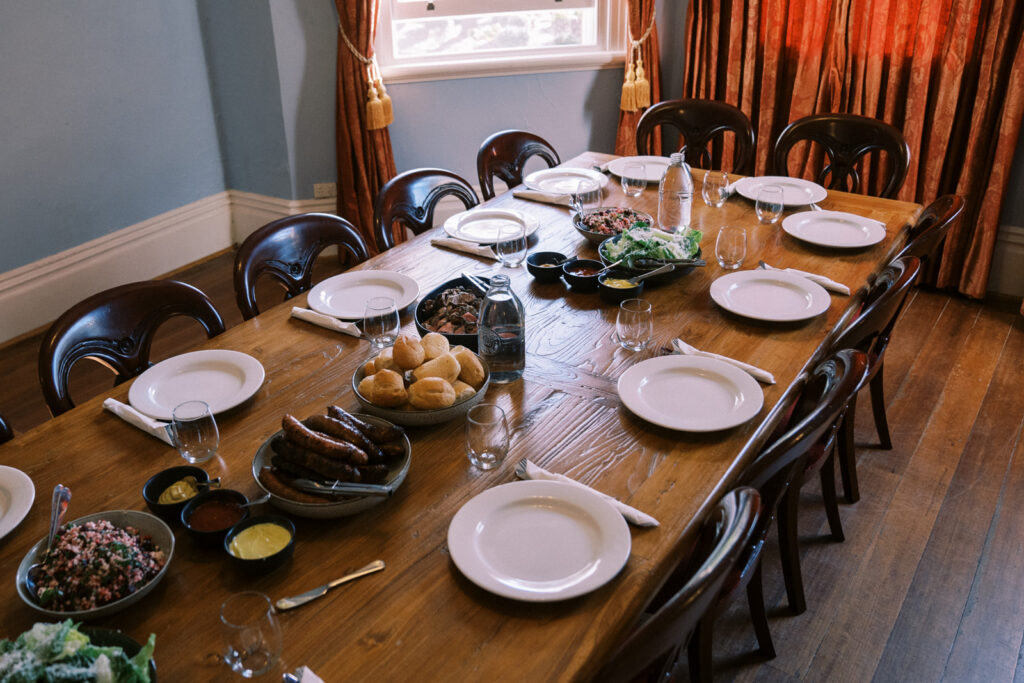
(790, 551)
(828, 492)
(848, 454)
(755, 598)
(698, 651)
(878, 408)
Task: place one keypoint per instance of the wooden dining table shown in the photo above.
(420, 617)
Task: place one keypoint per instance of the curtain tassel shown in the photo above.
(628, 102)
(385, 101)
(374, 110)
(641, 87)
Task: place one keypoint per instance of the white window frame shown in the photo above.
(609, 52)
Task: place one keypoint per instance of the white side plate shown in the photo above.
(538, 541)
(562, 180)
(834, 229)
(222, 378)
(345, 296)
(795, 191)
(16, 495)
(654, 167)
(482, 225)
(690, 393)
(771, 295)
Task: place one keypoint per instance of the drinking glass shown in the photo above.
(587, 196)
(252, 637)
(713, 189)
(486, 435)
(731, 246)
(634, 324)
(380, 322)
(195, 431)
(511, 246)
(633, 179)
(769, 204)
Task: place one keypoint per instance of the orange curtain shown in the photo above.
(948, 73)
(641, 15)
(365, 159)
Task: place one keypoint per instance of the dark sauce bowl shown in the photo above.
(268, 563)
(535, 263)
(616, 295)
(576, 274)
(158, 483)
(208, 535)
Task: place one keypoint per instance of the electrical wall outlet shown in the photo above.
(325, 190)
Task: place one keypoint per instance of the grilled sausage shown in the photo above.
(322, 444)
(376, 434)
(345, 432)
(392, 450)
(279, 486)
(374, 474)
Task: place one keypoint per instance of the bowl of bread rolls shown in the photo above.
(421, 381)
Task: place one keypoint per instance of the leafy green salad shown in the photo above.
(651, 243)
(60, 652)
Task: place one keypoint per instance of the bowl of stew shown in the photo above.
(451, 309)
(582, 274)
(208, 516)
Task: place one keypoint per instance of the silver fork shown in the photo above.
(521, 469)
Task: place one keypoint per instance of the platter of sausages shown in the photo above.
(331, 450)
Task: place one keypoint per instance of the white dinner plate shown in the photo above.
(690, 393)
(482, 225)
(834, 229)
(538, 541)
(772, 295)
(795, 191)
(654, 167)
(345, 296)
(222, 378)
(562, 180)
(16, 495)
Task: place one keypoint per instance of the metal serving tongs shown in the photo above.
(642, 263)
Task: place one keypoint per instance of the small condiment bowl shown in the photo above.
(222, 496)
(158, 483)
(270, 562)
(535, 263)
(615, 295)
(578, 280)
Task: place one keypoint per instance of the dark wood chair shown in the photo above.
(409, 199)
(848, 141)
(6, 433)
(702, 125)
(504, 155)
(870, 331)
(931, 228)
(654, 646)
(286, 249)
(817, 400)
(116, 328)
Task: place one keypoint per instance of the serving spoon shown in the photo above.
(58, 508)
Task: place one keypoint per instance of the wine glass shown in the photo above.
(769, 204)
(380, 322)
(252, 636)
(633, 179)
(714, 189)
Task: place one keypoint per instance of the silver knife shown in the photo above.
(303, 598)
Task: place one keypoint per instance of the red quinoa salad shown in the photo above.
(96, 563)
(613, 220)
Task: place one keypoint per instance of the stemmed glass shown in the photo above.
(634, 324)
(633, 179)
(380, 322)
(769, 204)
(587, 196)
(195, 431)
(252, 636)
(714, 188)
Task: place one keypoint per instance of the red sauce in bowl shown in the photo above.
(215, 515)
(584, 271)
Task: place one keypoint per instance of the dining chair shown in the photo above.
(655, 645)
(504, 154)
(931, 228)
(6, 433)
(869, 331)
(702, 124)
(286, 249)
(816, 401)
(116, 328)
(408, 201)
(848, 140)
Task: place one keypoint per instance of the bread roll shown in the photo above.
(471, 370)
(462, 390)
(369, 367)
(385, 361)
(388, 389)
(431, 393)
(444, 366)
(365, 388)
(407, 352)
(434, 345)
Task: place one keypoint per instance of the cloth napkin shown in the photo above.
(684, 349)
(631, 514)
(545, 197)
(330, 322)
(466, 247)
(161, 430)
(306, 675)
(828, 284)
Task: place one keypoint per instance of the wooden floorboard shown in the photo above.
(929, 584)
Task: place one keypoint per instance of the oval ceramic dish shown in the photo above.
(467, 340)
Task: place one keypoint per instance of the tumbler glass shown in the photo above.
(487, 435)
(195, 431)
(634, 324)
(252, 636)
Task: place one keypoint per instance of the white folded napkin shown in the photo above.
(825, 282)
(161, 430)
(757, 373)
(466, 247)
(306, 675)
(330, 322)
(631, 514)
(545, 197)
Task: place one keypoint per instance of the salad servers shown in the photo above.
(640, 263)
(657, 271)
(58, 508)
(303, 598)
(344, 488)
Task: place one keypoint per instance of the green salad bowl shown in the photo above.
(680, 269)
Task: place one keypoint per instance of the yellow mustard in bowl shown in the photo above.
(259, 541)
(179, 491)
(619, 283)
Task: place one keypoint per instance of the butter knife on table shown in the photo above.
(161, 430)
(303, 598)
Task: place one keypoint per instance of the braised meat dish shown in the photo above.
(453, 311)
